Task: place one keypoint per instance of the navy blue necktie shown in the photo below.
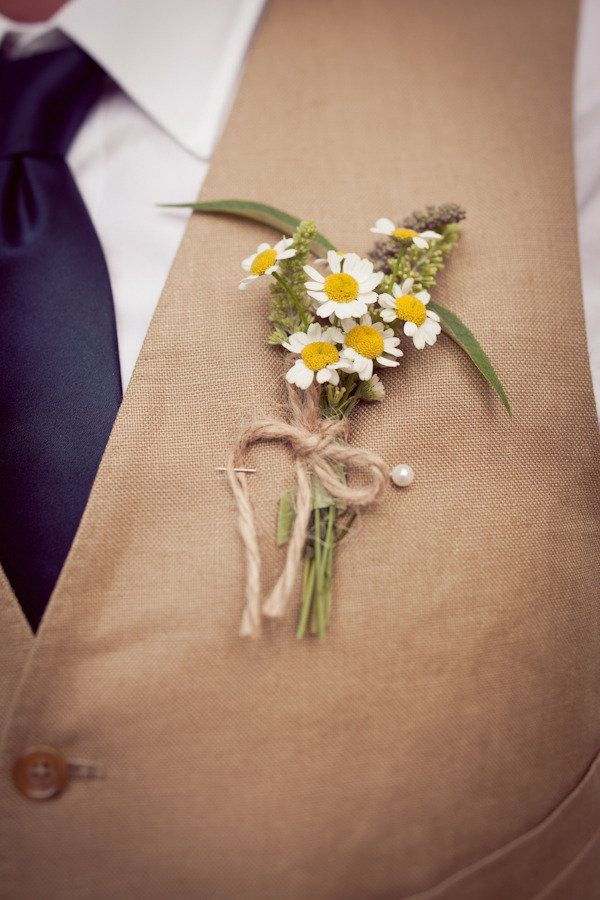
(60, 386)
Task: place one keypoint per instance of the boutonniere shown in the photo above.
(343, 322)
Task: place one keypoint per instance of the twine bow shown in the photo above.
(316, 443)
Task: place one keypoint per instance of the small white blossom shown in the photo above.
(347, 290)
(366, 342)
(319, 356)
(266, 260)
(420, 323)
(420, 239)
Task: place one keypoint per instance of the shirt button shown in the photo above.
(41, 773)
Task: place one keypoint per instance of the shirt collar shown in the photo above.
(179, 60)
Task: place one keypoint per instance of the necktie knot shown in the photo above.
(44, 99)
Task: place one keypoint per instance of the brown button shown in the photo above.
(41, 773)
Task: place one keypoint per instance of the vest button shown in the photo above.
(41, 773)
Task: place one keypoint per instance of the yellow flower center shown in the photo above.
(319, 354)
(263, 261)
(404, 234)
(342, 288)
(366, 340)
(410, 309)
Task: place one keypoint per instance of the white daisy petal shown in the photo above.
(351, 263)
(362, 270)
(314, 274)
(383, 226)
(300, 375)
(356, 309)
(325, 309)
(333, 261)
(371, 297)
(371, 281)
(306, 375)
(298, 341)
(334, 335)
(367, 370)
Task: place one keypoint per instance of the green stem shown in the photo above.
(397, 264)
(319, 566)
(351, 403)
(329, 548)
(350, 385)
(414, 271)
(308, 582)
(345, 528)
(300, 309)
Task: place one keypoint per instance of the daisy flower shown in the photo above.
(365, 342)
(319, 356)
(419, 238)
(420, 323)
(265, 260)
(347, 290)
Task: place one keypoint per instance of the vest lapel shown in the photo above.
(476, 583)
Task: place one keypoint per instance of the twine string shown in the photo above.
(317, 444)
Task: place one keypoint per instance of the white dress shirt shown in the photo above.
(587, 172)
(176, 66)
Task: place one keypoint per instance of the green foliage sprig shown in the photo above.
(291, 307)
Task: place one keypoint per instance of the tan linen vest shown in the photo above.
(441, 742)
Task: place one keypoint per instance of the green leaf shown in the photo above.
(258, 212)
(321, 498)
(458, 331)
(286, 516)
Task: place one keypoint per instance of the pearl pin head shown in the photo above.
(402, 475)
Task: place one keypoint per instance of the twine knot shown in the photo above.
(307, 442)
(319, 446)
